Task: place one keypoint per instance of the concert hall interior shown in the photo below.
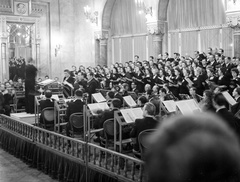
(120, 90)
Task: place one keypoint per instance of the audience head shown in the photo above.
(162, 92)
(110, 95)
(67, 73)
(149, 109)
(141, 101)
(186, 148)
(90, 75)
(78, 93)
(147, 87)
(192, 91)
(48, 94)
(219, 100)
(236, 92)
(116, 103)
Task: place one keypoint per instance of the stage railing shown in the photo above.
(111, 163)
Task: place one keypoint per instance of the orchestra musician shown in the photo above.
(68, 82)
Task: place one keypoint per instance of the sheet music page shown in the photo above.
(94, 108)
(170, 105)
(127, 115)
(129, 100)
(137, 113)
(229, 98)
(55, 97)
(189, 81)
(98, 97)
(187, 106)
(46, 82)
(103, 106)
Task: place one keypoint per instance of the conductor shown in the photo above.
(31, 73)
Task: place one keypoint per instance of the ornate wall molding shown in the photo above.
(199, 28)
(102, 34)
(6, 6)
(157, 27)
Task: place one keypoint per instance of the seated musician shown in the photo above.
(125, 89)
(74, 107)
(148, 91)
(148, 122)
(68, 82)
(236, 94)
(117, 95)
(48, 102)
(81, 81)
(194, 95)
(114, 106)
(164, 95)
(142, 100)
(134, 88)
(219, 102)
(92, 85)
(110, 97)
(7, 99)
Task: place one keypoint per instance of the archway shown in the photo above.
(106, 22)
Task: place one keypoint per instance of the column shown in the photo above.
(157, 44)
(3, 60)
(103, 52)
(157, 29)
(101, 47)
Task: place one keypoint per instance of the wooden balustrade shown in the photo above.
(109, 162)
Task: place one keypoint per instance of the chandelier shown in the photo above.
(142, 8)
(91, 17)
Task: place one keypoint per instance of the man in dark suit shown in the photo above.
(148, 122)
(92, 85)
(48, 102)
(68, 82)
(114, 106)
(81, 81)
(74, 107)
(236, 94)
(219, 102)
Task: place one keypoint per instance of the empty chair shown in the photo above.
(48, 118)
(143, 141)
(76, 124)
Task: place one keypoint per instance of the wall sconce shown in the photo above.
(57, 49)
(144, 9)
(91, 17)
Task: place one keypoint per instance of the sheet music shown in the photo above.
(55, 97)
(229, 98)
(130, 115)
(46, 82)
(94, 108)
(170, 105)
(129, 100)
(98, 97)
(189, 81)
(188, 106)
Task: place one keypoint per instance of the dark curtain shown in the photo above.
(56, 165)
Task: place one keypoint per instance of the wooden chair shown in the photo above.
(143, 141)
(48, 118)
(108, 133)
(76, 123)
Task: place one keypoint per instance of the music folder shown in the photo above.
(130, 115)
(170, 105)
(229, 98)
(98, 97)
(129, 101)
(46, 82)
(188, 106)
(96, 107)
